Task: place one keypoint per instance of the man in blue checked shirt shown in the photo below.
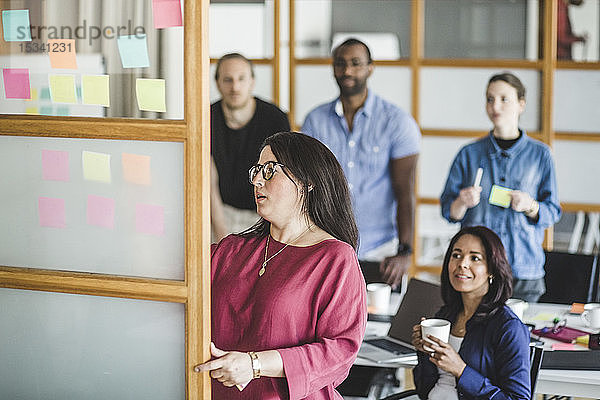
(377, 145)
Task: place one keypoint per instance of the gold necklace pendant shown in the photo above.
(262, 270)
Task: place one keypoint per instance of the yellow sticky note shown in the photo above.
(150, 94)
(32, 111)
(62, 88)
(96, 166)
(62, 53)
(136, 168)
(95, 89)
(500, 196)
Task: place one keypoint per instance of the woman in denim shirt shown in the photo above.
(518, 166)
(487, 355)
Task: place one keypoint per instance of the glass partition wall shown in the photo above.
(104, 241)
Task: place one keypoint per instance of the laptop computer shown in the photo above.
(422, 299)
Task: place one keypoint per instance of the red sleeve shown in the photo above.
(339, 332)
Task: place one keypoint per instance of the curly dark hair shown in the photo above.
(501, 288)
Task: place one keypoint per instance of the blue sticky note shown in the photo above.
(16, 26)
(45, 94)
(46, 110)
(134, 51)
(62, 111)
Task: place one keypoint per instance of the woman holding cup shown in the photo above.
(487, 354)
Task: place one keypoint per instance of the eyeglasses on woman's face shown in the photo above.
(268, 170)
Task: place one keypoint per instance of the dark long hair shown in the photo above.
(501, 288)
(313, 165)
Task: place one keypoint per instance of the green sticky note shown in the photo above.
(96, 166)
(16, 27)
(45, 94)
(46, 110)
(500, 196)
(95, 89)
(62, 111)
(150, 94)
(62, 88)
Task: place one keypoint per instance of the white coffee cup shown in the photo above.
(439, 328)
(378, 297)
(591, 314)
(517, 306)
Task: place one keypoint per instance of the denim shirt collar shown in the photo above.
(366, 109)
(496, 151)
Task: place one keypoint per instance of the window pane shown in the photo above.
(481, 29)
(315, 85)
(576, 101)
(580, 42)
(577, 169)
(322, 24)
(244, 27)
(104, 206)
(454, 98)
(142, 74)
(64, 346)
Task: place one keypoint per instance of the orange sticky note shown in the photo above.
(136, 168)
(62, 53)
(577, 308)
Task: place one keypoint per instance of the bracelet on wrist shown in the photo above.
(255, 364)
(532, 208)
(404, 249)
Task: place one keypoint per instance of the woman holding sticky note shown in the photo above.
(506, 181)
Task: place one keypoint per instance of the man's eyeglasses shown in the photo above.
(268, 169)
(354, 63)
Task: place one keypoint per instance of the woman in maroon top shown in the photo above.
(288, 297)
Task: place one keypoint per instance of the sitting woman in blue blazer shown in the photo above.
(487, 355)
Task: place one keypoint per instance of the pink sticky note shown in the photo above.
(167, 13)
(101, 211)
(563, 346)
(149, 219)
(52, 212)
(16, 83)
(136, 168)
(62, 53)
(55, 165)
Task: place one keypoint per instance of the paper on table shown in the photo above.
(500, 196)
(101, 211)
(55, 165)
(96, 166)
(62, 53)
(52, 212)
(16, 25)
(166, 13)
(151, 94)
(149, 219)
(136, 168)
(95, 89)
(62, 88)
(16, 83)
(134, 51)
(543, 317)
(563, 346)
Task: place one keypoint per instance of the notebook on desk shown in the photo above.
(422, 299)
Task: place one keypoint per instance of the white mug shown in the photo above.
(439, 328)
(591, 314)
(517, 306)
(378, 298)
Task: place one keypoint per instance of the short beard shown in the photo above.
(351, 91)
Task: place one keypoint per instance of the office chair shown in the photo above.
(570, 278)
(535, 358)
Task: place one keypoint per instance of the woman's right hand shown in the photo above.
(417, 339)
(470, 196)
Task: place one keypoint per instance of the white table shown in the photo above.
(550, 381)
(559, 381)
